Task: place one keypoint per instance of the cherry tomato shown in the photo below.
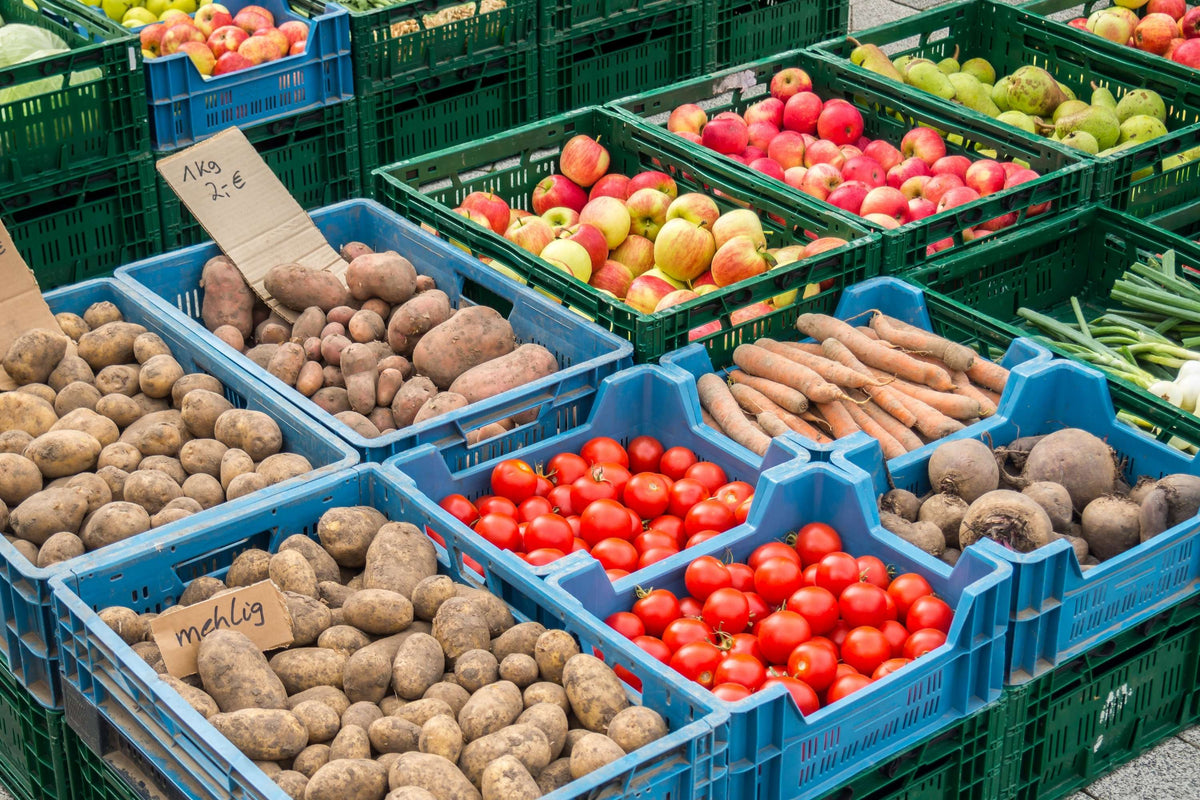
(590, 488)
(730, 692)
(708, 515)
(460, 508)
(815, 541)
(500, 530)
(560, 500)
(655, 555)
(741, 668)
(549, 530)
(690, 607)
(743, 577)
(604, 519)
(675, 462)
(514, 479)
(710, 475)
(845, 686)
(647, 494)
(873, 571)
(726, 610)
(888, 667)
(700, 538)
(685, 629)
(704, 576)
(747, 644)
(813, 663)
(896, 635)
(771, 550)
(924, 641)
(836, 571)
(616, 554)
(865, 649)
(656, 609)
(863, 604)
(615, 474)
(779, 634)
(758, 607)
(668, 523)
(543, 486)
(802, 694)
(742, 512)
(650, 539)
(906, 588)
(644, 454)
(533, 507)
(602, 449)
(627, 624)
(776, 578)
(733, 494)
(655, 647)
(684, 494)
(697, 661)
(496, 505)
(543, 556)
(566, 468)
(816, 605)
(928, 611)
(614, 575)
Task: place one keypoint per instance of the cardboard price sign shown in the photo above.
(259, 611)
(21, 306)
(257, 223)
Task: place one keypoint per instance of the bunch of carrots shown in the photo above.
(900, 384)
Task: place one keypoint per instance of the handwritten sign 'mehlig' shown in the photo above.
(258, 611)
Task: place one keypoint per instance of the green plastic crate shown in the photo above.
(431, 111)
(1184, 221)
(77, 228)
(425, 189)
(563, 18)
(1065, 180)
(606, 60)
(314, 154)
(1133, 180)
(737, 31)
(95, 120)
(1090, 715)
(33, 760)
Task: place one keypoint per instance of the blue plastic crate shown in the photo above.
(774, 751)
(186, 107)
(891, 296)
(585, 353)
(192, 756)
(1058, 610)
(28, 643)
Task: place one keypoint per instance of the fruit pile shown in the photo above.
(809, 616)
(219, 42)
(1167, 28)
(627, 507)
(818, 147)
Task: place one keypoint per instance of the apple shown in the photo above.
(1175, 9)
(887, 201)
(258, 49)
(1189, 22)
(840, 122)
(1024, 176)
(253, 18)
(824, 151)
(584, 160)
(920, 208)
(647, 212)
(752, 311)
(173, 16)
(939, 246)
(650, 287)
(1173, 47)
(694, 138)
(226, 39)
(557, 190)
(531, 234)
(707, 329)
(905, 170)
(612, 276)
(882, 220)
(938, 185)
(787, 150)
(278, 38)
(884, 153)
(609, 215)
(767, 167)
(730, 115)
(957, 197)
(1188, 54)
(694, 207)
(789, 82)
(1081, 24)
(231, 61)
(739, 222)
(1111, 25)
(591, 238)
(924, 143)
(739, 258)
(725, 136)
(801, 112)
(569, 253)
(794, 177)
(914, 187)
(611, 185)
(654, 180)
(212, 16)
(200, 55)
(787, 255)
(1000, 223)
(1154, 33)
(473, 216)
(750, 153)
(985, 177)
(849, 151)
(955, 165)
(769, 110)
(515, 214)
(683, 249)
(636, 252)
(865, 169)
(176, 35)
(491, 206)
(688, 117)
(295, 31)
(849, 196)
(820, 180)
(761, 134)
(824, 244)
(677, 297)
(151, 38)
(561, 217)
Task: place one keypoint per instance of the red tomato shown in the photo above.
(616, 554)
(906, 588)
(747, 644)
(549, 530)
(865, 649)
(758, 607)
(685, 629)
(704, 576)
(708, 515)
(776, 578)
(731, 692)
(771, 550)
(779, 634)
(514, 479)
(735, 493)
(460, 508)
(700, 538)
(685, 493)
(698, 661)
(827, 643)
(627, 624)
(726, 610)
(573, 521)
(560, 500)
(844, 669)
(838, 634)
(579, 544)
(863, 604)
(533, 507)
(615, 474)
(500, 530)
(647, 494)
(741, 668)
(816, 605)
(654, 647)
(896, 635)
(604, 449)
(604, 519)
(888, 667)
(644, 454)
(836, 571)
(845, 686)
(802, 694)
(810, 575)
(656, 609)
(928, 611)
(891, 612)
(628, 677)
(923, 641)
(614, 575)
(743, 577)
(648, 540)
(566, 468)
(590, 488)
(873, 571)
(813, 663)
(709, 474)
(815, 541)
(635, 525)
(742, 512)
(689, 607)
(668, 523)
(496, 505)
(543, 486)
(675, 462)
(542, 557)
(655, 555)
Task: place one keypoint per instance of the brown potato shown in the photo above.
(312, 758)
(237, 676)
(526, 364)
(310, 379)
(20, 479)
(366, 326)
(48, 512)
(432, 773)
(201, 589)
(397, 558)
(592, 752)
(291, 572)
(234, 463)
(595, 692)
(268, 734)
(200, 410)
(33, 355)
(340, 779)
(525, 742)
(109, 344)
(637, 726)
(252, 431)
(201, 456)
(298, 287)
(292, 783)
(25, 412)
(101, 313)
(490, 709)
(522, 639)
(62, 546)
(393, 735)
(302, 668)
(63, 452)
(121, 409)
(171, 467)
(552, 651)
(282, 467)
(248, 568)
(411, 397)
(151, 489)
(309, 618)
(158, 375)
(343, 639)
(160, 433)
(204, 489)
(190, 383)
(71, 324)
(75, 396)
(149, 345)
(507, 779)
(347, 533)
(379, 612)
(196, 698)
(14, 442)
(228, 299)
(118, 379)
(71, 369)
(419, 664)
(94, 489)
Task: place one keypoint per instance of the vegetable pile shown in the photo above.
(628, 508)
(21, 43)
(807, 616)
(901, 385)
(399, 679)
(383, 354)
(106, 438)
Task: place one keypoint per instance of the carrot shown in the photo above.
(931, 423)
(783, 396)
(955, 406)
(990, 395)
(818, 421)
(755, 402)
(771, 424)
(887, 397)
(867, 332)
(988, 374)
(873, 353)
(955, 356)
(907, 439)
(891, 447)
(807, 347)
(827, 369)
(715, 397)
(765, 364)
(708, 418)
(963, 386)
(839, 419)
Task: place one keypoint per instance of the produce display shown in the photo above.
(216, 41)
(399, 681)
(1165, 28)
(382, 352)
(628, 507)
(106, 438)
(805, 615)
(20, 43)
(899, 384)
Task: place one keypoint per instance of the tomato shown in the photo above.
(675, 462)
(656, 609)
(655, 555)
(627, 624)
(654, 647)
(590, 488)
(697, 661)
(648, 540)
(815, 541)
(628, 677)
(601, 449)
(710, 475)
(614, 575)
(845, 686)
(615, 474)
(890, 612)
(726, 610)
(604, 519)
(560, 500)
(928, 611)
(771, 550)
(543, 556)
(865, 649)
(836, 571)
(708, 515)
(514, 479)
(704, 576)
(779, 634)
(873, 571)
(747, 644)
(896, 635)
(888, 667)
(816, 605)
(684, 494)
(644, 454)
(616, 554)
(647, 494)
(460, 508)
(543, 486)
(906, 588)
(700, 538)
(533, 507)
(758, 607)
(690, 607)
(810, 575)
(549, 530)
(685, 629)
(734, 494)
(573, 521)
(827, 643)
(863, 604)
(837, 634)
(742, 512)
(844, 669)
(730, 692)
(776, 579)
(814, 664)
(668, 523)
(924, 641)
(579, 544)
(496, 505)
(743, 577)
(741, 668)
(566, 468)
(500, 530)
(802, 694)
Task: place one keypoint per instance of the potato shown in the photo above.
(310, 378)
(190, 383)
(421, 711)
(430, 593)
(459, 628)
(234, 463)
(595, 692)
(334, 593)
(378, 611)
(366, 326)
(119, 379)
(33, 355)
(101, 313)
(409, 400)
(386, 386)
(435, 774)
(100, 428)
(453, 695)
(388, 276)
(309, 618)
(72, 369)
(526, 364)
(303, 668)
(475, 669)
(94, 488)
(409, 792)
(39, 390)
(63, 452)
(441, 736)
(332, 399)
(360, 370)
(592, 752)
(287, 362)
(440, 404)
(196, 698)
(343, 639)
(419, 315)
(121, 455)
(552, 651)
(230, 336)
(328, 695)
(248, 568)
(636, 727)
(490, 709)
(158, 376)
(573, 737)
(308, 325)
(20, 478)
(171, 467)
(522, 639)
(25, 412)
(124, 622)
(151, 489)
(419, 662)
(48, 512)
(323, 565)
(555, 776)
(361, 715)
(551, 720)
(115, 478)
(262, 354)
(398, 558)
(298, 287)
(160, 433)
(71, 324)
(113, 523)
(350, 742)
(369, 671)
(27, 550)
(204, 489)
(292, 783)
(149, 345)
(268, 734)
(519, 669)
(228, 299)
(252, 431)
(507, 779)
(169, 514)
(291, 572)
(149, 652)
(342, 779)
(283, 466)
(201, 456)
(75, 396)
(62, 546)
(237, 676)
(312, 758)
(525, 742)
(473, 336)
(203, 588)
(394, 735)
(120, 409)
(546, 692)
(111, 343)
(273, 330)
(150, 405)
(347, 533)
(14, 442)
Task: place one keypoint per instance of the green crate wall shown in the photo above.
(33, 758)
(737, 31)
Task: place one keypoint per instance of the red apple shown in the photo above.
(591, 238)
(151, 38)
(801, 112)
(740, 258)
(530, 233)
(584, 160)
(883, 221)
(761, 134)
(610, 216)
(739, 222)
(176, 35)
(175, 16)
(794, 177)
(515, 214)
(884, 153)
(1001, 222)
(253, 18)
(887, 201)
(1189, 22)
(840, 122)
(787, 150)
(924, 143)
(985, 177)
(824, 151)
(212, 16)
(955, 165)
(849, 196)
(769, 110)
(725, 136)
(865, 169)
(226, 39)
(650, 287)
(231, 62)
(849, 151)
(561, 217)
(730, 115)
(687, 117)
(647, 212)
(1154, 33)
(1188, 54)
(694, 138)
(572, 255)
(957, 197)
(295, 31)
(612, 276)
(1024, 176)
(1175, 9)
(278, 38)
(906, 169)
(752, 311)
(200, 55)
(258, 49)
(940, 184)
(1081, 24)
(707, 329)
(696, 208)
(675, 298)
(1175, 43)
(767, 167)
(825, 243)
(491, 206)
(820, 180)
(557, 190)
(653, 180)
(915, 186)
(636, 252)
(789, 82)
(683, 249)
(920, 208)
(750, 153)
(611, 185)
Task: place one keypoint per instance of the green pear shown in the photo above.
(1000, 94)
(1082, 140)
(1066, 90)
(948, 66)
(870, 57)
(1034, 91)
(1141, 128)
(1018, 120)
(928, 78)
(981, 69)
(1141, 101)
(1100, 122)
(1101, 96)
(901, 63)
(912, 63)
(1117, 148)
(970, 92)
(1069, 107)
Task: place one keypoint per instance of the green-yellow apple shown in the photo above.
(636, 252)
(200, 55)
(647, 212)
(688, 117)
(683, 249)
(740, 221)
(610, 216)
(695, 208)
(675, 298)
(740, 258)
(591, 238)
(571, 255)
(650, 287)
(530, 233)
(561, 217)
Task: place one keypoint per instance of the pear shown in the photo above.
(870, 57)
(949, 65)
(970, 92)
(928, 78)
(1100, 122)
(1034, 91)
(1101, 96)
(912, 63)
(1018, 120)
(1082, 140)
(1000, 94)
(980, 69)
(1141, 101)
(1066, 90)
(901, 64)
(1118, 148)
(1141, 128)
(1069, 107)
